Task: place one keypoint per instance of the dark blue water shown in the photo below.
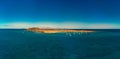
(22, 44)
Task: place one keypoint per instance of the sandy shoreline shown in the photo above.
(56, 30)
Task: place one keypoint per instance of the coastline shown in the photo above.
(56, 30)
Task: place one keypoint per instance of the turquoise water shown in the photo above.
(22, 44)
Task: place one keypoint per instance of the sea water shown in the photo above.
(22, 44)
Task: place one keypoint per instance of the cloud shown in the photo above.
(68, 25)
(15, 25)
(102, 26)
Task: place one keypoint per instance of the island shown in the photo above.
(42, 30)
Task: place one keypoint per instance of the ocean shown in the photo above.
(22, 44)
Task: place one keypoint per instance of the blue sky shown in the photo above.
(60, 13)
